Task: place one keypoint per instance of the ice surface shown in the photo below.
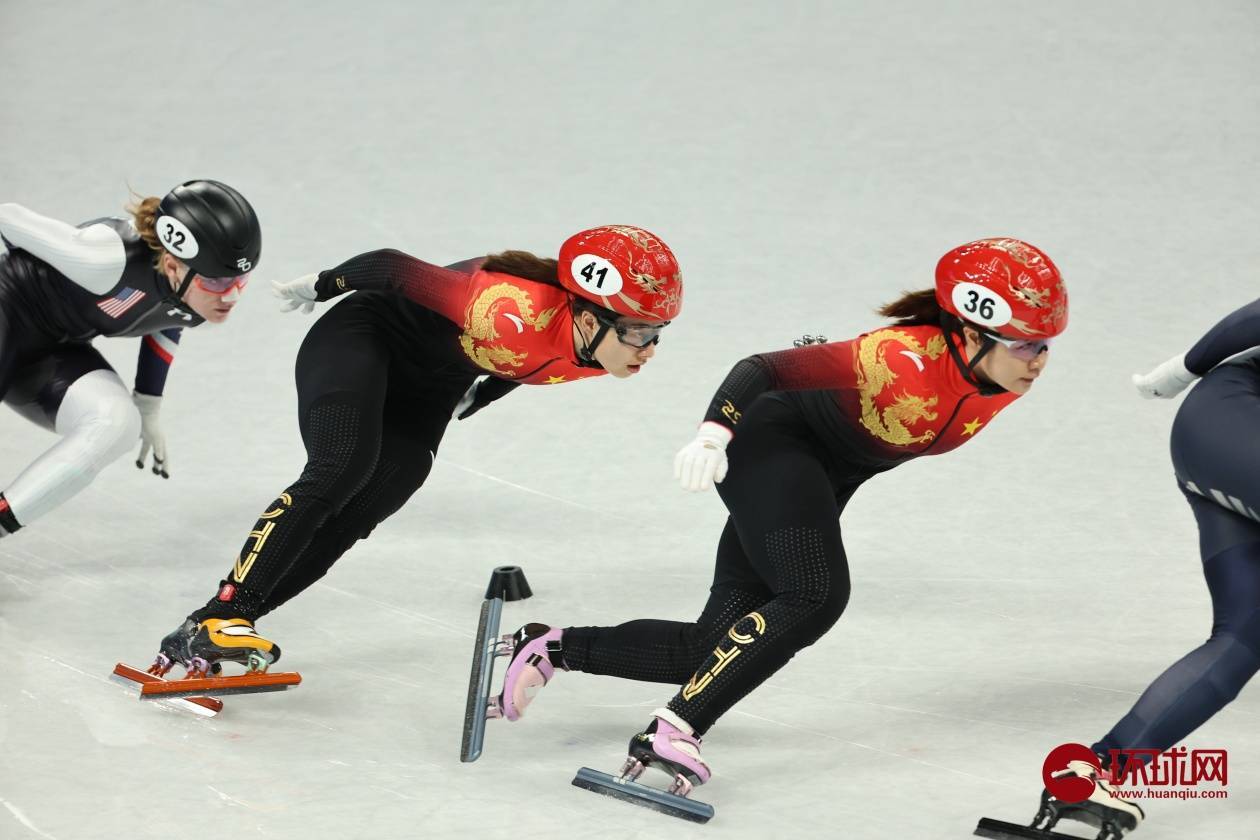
(806, 161)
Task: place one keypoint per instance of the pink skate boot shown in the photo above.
(535, 657)
(669, 744)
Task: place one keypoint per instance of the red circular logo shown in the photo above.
(1067, 787)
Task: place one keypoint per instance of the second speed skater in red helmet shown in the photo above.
(1006, 289)
(1006, 286)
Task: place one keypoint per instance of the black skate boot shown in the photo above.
(174, 649)
(1105, 810)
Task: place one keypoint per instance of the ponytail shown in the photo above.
(144, 213)
(914, 309)
(525, 265)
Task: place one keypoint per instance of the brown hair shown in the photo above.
(525, 265)
(914, 309)
(144, 213)
(529, 266)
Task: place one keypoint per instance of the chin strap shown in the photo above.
(953, 326)
(175, 298)
(586, 353)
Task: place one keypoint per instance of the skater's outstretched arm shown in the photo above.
(1236, 332)
(443, 290)
(802, 368)
(157, 351)
(93, 257)
(702, 463)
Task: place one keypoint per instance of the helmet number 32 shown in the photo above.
(980, 305)
(177, 238)
(596, 275)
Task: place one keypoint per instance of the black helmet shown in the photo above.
(211, 228)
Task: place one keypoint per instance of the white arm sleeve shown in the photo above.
(93, 257)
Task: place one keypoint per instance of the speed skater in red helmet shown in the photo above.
(812, 424)
(380, 375)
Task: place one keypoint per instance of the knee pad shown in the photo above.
(97, 413)
(813, 587)
(1248, 633)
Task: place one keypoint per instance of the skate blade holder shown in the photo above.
(998, 830)
(621, 787)
(507, 583)
(134, 678)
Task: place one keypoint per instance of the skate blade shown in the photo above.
(134, 678)
(485, 648)
(998, 830)
(639, 794)
(216, 686)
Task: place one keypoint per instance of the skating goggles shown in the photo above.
(1024, 349)
(635, 333)
(221, 285)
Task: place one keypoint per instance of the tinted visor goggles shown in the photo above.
(221, 285)
(635, 334)
(1024, 349)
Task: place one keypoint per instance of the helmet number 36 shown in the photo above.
(980, 305)
(596, 275)
(177, 238)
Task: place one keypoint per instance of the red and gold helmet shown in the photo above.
(624, 269)
(1004, 286)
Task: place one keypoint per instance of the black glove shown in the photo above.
(481, 393)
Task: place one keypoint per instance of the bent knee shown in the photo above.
(99, 417)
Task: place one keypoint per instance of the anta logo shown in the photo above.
(914, 357)
(244, 264)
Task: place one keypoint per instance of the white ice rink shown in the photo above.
(807, 162)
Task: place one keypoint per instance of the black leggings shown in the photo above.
(1217, 460)
(371, 423)
(35, 371)
(781, 579)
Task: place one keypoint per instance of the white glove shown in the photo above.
(151, 433)
(702, 463)
(296, 294)
(1167, 381)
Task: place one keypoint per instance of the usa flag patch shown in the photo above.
(126, 298)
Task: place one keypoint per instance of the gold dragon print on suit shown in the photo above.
(893, 423)
(479, 335)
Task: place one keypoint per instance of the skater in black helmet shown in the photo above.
(176, 262)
